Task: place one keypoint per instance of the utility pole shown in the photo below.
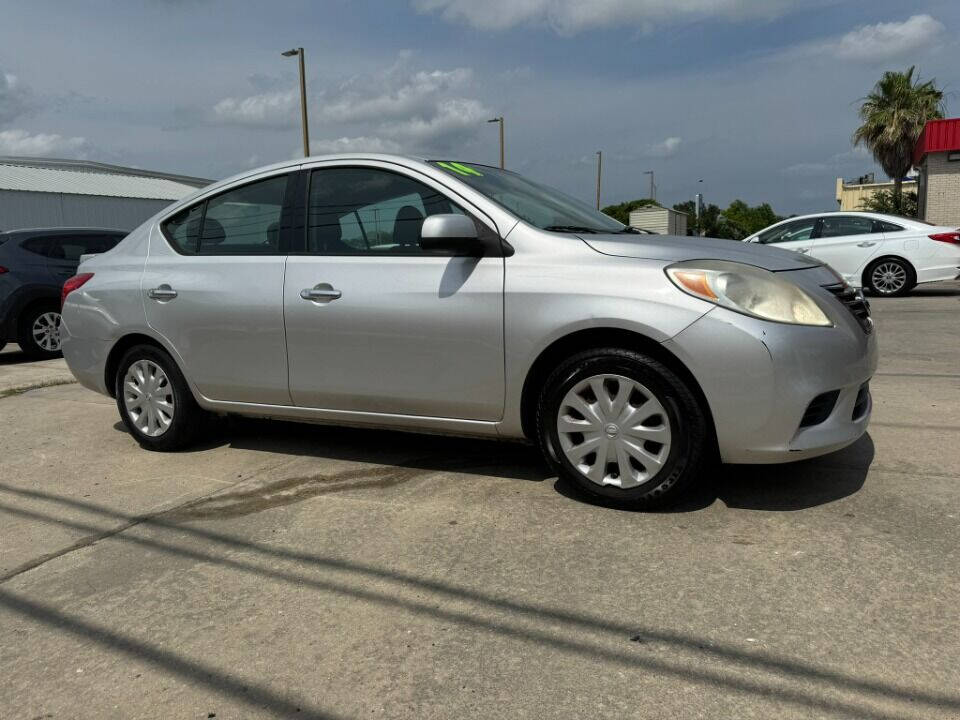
(599, 172)
(499, 120)
(303, 99)
(653, 187)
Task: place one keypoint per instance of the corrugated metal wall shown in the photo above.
(21, 209)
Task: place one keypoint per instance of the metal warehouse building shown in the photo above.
(40, 192)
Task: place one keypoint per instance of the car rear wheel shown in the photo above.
(890, 277)
(622, 425)
(39, 331)
(154, 400)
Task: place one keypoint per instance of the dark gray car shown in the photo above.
(33, 267)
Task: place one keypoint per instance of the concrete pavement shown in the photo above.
(283, 570)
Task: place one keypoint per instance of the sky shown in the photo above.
(756, 98)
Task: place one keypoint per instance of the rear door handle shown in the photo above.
(321, 293)
(866, 244)
(803, 250)
(163, 292)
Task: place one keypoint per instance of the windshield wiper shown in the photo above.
(629, 231)
(571, 229)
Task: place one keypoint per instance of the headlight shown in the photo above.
(747, 289)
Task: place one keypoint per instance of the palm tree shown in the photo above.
(893, 116)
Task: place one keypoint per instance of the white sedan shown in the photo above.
(885, 254)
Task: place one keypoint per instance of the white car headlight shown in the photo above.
(747, 289)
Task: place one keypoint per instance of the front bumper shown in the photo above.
(759, 379)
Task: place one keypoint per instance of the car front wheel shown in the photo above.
(622, 425)
(154, 401)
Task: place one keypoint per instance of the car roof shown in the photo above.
(61, 230)
(864, 213)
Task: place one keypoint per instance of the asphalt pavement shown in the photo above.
(297, 571)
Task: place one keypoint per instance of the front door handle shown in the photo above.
(866, 244)
(320, 293)
(163, 292)
(803, 250)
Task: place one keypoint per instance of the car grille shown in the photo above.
(819, 408)
(855, 302)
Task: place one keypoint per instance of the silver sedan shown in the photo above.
(451, 297)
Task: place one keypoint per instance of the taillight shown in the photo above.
(3, 270)
(72, 284)
(948, 237)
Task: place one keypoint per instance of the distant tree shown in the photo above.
(892, 117)
(622, 211)
(709, 218)
(740, 220)
(883, 201)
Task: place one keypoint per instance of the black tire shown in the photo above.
(25, 336)
(689, 427)
(907, 268)
(187, 421)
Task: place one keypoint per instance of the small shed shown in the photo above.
(660, 220)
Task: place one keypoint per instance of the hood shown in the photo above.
(674, 248)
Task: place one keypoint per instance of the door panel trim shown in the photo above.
(390, 421)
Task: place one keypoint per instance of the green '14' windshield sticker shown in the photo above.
(460, 169)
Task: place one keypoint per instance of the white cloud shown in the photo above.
(352, 144)
(665, 148)
(571, 16)
(884, 41)
(397, 109)
(16, 100)
(356, 102)
(269, 109)
(20, 142)
(836, 165)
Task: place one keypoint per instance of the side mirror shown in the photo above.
(452, 233)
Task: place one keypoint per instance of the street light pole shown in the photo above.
(303, 99)
(599, 171)
(499, 120)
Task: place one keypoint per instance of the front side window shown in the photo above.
(841, 225)
(368, 211)
(788, 232)
(539, 205)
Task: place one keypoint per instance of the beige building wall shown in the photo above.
(941, 201)
(663, 221)
(850, 196)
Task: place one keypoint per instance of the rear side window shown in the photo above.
(241, 221)
(883, 226)
(183, 229)
(37, 245)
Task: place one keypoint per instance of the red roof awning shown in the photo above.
(937, 136)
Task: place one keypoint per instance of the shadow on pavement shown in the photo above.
(595, 637)
(793, 486)
(18, 357)
(440, 453)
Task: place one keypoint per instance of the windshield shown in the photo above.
(539, 205)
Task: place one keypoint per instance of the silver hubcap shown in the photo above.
(148, 397)
(614, 431)
(889, 277)
(46, 331)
